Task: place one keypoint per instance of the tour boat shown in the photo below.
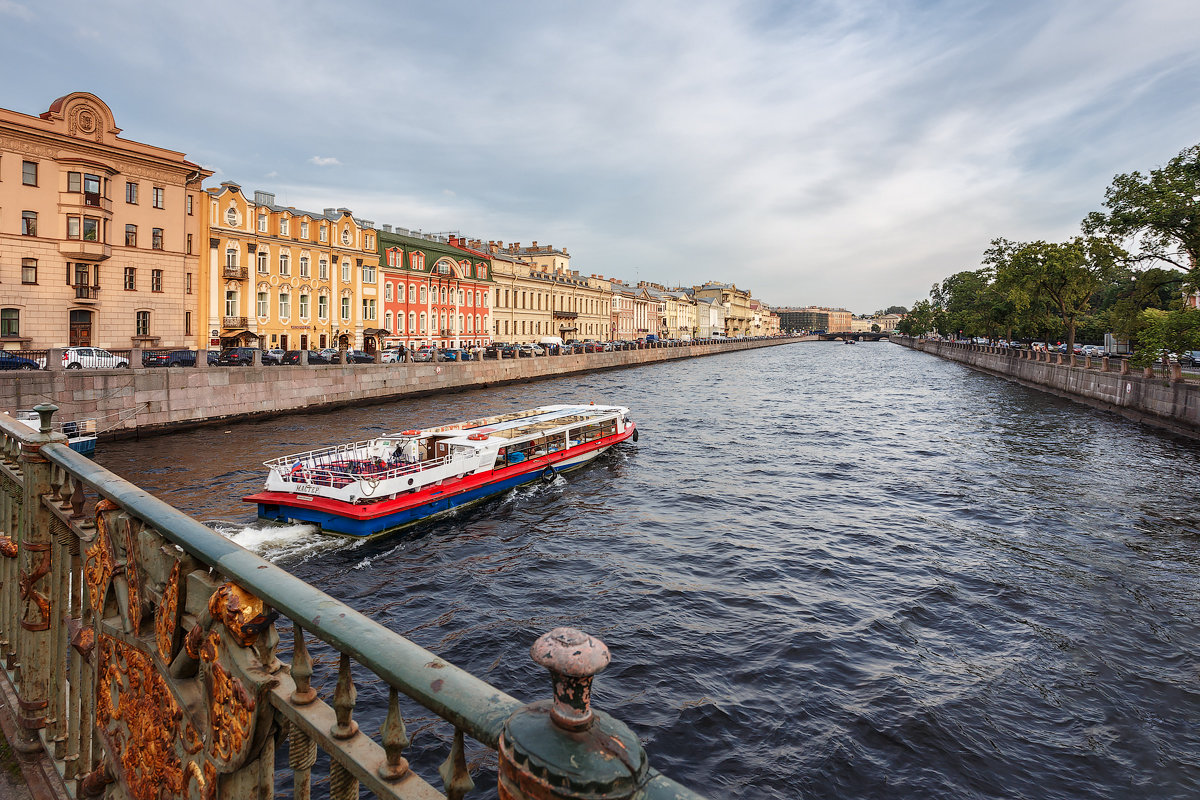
(80, 433)
(378, 485)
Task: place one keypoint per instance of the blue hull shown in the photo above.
(369, 527)
(85, 447)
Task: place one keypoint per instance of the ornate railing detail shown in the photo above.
(140, 647)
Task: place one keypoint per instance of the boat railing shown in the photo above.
(344, 467)
(142, 648)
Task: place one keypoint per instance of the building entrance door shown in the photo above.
(81, 329)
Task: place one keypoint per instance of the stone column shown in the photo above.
(135, 358)
(302, 361)
(1124, 366)
(54, 358)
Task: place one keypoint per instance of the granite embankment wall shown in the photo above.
(147, 400)
(1170, 404)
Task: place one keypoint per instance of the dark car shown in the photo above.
(173, 358)
(1188, 358)
(9, 361)
(314, 357)
(237, 357)
(355, 357)
(500, 351)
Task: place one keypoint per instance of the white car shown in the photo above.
(92, 358)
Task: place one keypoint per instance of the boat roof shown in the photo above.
(524, 423)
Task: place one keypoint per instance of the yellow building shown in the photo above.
(538, 294)
(738, 315)
(99, 235)
(279, 277)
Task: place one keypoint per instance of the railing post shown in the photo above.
(33, 633)
(563, 749)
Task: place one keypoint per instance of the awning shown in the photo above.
(376, 332)
(239, 334)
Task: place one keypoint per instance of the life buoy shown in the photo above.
(548, 474)
(478, 437)
(410, 433)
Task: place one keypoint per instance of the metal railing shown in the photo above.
(140, 647)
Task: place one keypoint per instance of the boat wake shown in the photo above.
(294, 542)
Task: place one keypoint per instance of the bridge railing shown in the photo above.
(142, 649)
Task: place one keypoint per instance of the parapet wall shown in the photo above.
(147, 400)
(1170, 404)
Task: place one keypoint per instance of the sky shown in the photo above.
(839, 153)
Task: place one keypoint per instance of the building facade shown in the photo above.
(99, 235)
(736, 302)
(538, 294)
(279, 277)
(436, 290)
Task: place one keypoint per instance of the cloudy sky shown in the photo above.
(836, 153)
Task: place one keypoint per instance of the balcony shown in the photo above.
(86, 294)
(84, 202)
(84, 250)
(234, 322)
(234, 272)
(566, 315)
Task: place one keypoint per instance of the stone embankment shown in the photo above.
(1105, 383)
(147, 400)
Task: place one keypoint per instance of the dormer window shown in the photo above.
(231, 216)
(345, 236)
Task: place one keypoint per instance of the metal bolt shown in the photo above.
(573, 659)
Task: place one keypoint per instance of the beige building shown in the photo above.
(538, 294)
(99, 235)
(279, 277)
(736, 302)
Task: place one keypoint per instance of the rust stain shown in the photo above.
(84, 641)
(245, 616)
(437, 685)
(133, 578)
(436, 665)
(34, 599)
(8, 548)
(231, 707)
(166, 620)
(100, 564)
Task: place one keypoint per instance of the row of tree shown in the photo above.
(1128, 272)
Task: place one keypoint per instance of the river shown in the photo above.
(823, 572)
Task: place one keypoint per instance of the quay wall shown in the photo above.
(1171, 404)
(136, 401)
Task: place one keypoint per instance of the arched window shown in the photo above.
(387, 316)
(443, 294)
(412, 293)
(460, 297)
(423, 300)
(412, 322)
(477, 324)
(460, 323)
(423, 322)
(231, 256)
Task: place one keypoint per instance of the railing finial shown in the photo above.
(45, 412)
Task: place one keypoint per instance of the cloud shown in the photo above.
(14, 9)
(324, 161)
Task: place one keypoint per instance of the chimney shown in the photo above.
(264, 198)
(387, 228)
(329, 212)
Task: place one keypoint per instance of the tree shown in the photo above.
(921, 320)
(1157, 214)
(1164, 332)
(1063, 276)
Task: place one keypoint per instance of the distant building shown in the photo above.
(99, 235)
(538, 294)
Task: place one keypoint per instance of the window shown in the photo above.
(28, 270)
(130, 279)
(346, 271)
(91, 190)
(81, 274)
(73, 227)
(369, 242)
(387, 321)
(303, 266)
(159, 197)
(231, 303)
(28, 222)
(443, 268)
(130, 235)
(285, 305)
(387, 292)
(143, 323)
(368, 273)
(285, 266)
(283, 226)
(262, 223)
(263, 269)
(262, 309)
(303, 230)
(187, 323)
(74, 182)
(189, 244)
(10, 322)
(345, 236)
(412, 293)
(187, 283)
(368, 308)
(460, 297)
(422, 322)
(156, 283)
(91, 229)
(324, 233)
(323, 270)
(345, 308)
(323, 307)
(304, 306)
(131, 189)
(412, 322)
(156, 237)
(29, 173)
(188, 204)
(231, 216)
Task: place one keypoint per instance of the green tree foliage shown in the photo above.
(1062, 276)
(1163, 332)
(1158, 214)
(921, 320)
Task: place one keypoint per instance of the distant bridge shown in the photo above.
(861, 336)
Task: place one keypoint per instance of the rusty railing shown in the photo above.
(140, 648)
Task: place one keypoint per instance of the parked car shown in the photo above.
(1189, 358)
(457, 354)
(237, 356)
(10, 361)
(357, 357)
(423, 354)
(170, 358)
(273, 357)
(92, 358)
(314, 357)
